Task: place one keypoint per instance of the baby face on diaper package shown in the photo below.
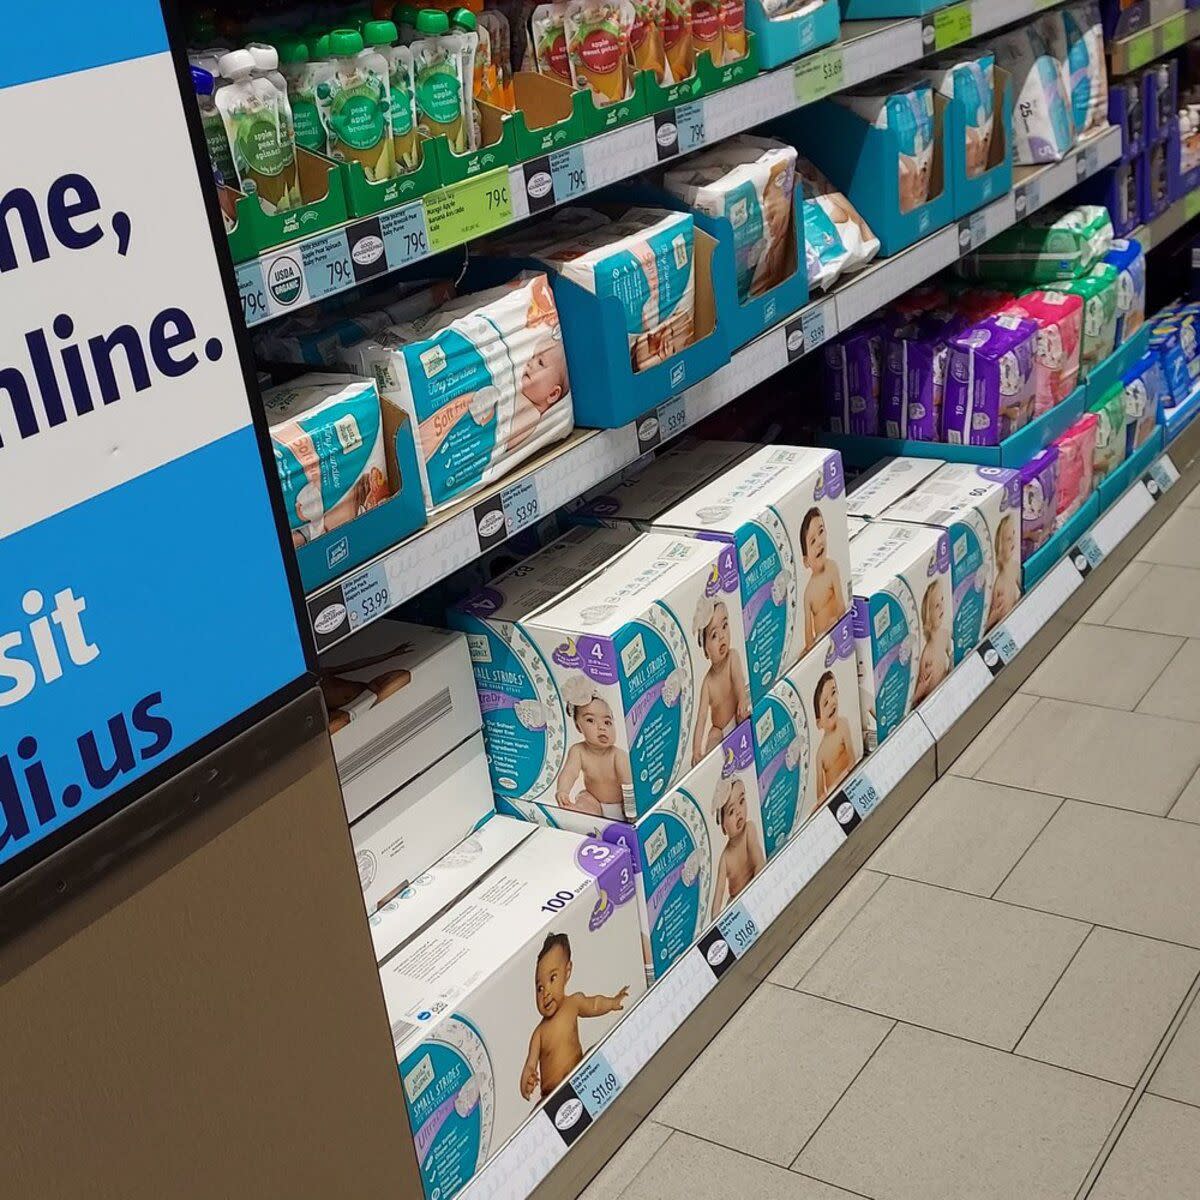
(989, 381)
(327, 435)
(1145, 391)
(1085, 74)
(980, 510)
(783, 508)
(853, 366)
(903, 619)
(970, 82)
(1043, 126)
(1109, 452)
(836, 238)
(1039, 497)
(484, 381)
(1059, 317)
(807, 735)
(522, 975)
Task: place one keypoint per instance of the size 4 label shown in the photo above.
(467, 210)
(738, 929)
(596, 1084)
(818, 75)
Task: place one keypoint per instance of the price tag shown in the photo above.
(366, 595)
(738, 929)
(569, 172)
(252, 292)
(689, 122)
(972, 232)
(672, 418)
(405, 238)
(476, 206)
(327, 265)
(666, 134)
(861, 792)
(1086, 555)
(1160, 478)
(1172, 34)
(596, 1084)
(813, 324)
(519, 503)
(947, 27)
(818, 75)
(1139, 50)
(1004, 642)
(1027, 197)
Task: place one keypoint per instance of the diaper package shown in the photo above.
(980, 510)
(783, 509)
(874, 492)
(1085, 72)
(526, 738)
(1039, 492)
(1109, 452)
(914, 376)
(905, 108)
(1173, 338)
(1129, 261)
(970, 82)
(990, 381)
(855, 525)
(484, 381)
(836, 238)
(1076, 455)
(1059, 317)
(646, 260)
(327, 437)
(749, 181)
(693, 853)
(495, 1003)
(903, 620)
(1051, 244)
(807, 735)
(853, 366)
(1043, 126)
(1145, 388)
(1098, 291)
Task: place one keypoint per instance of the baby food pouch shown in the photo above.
(441, 89)
(466, 31)
(970, 84)
(733, 30)
(266, 63)
(706, 29)
(302, 77)
(597, 34)
(381, 37)
(258, 125)
(646, 38)
(204, 84)
(355, 104)
(549, 29)
(497, 82)
(1043, 128)
(677, 40)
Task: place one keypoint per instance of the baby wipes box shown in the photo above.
(783, 508)
(497, 1001)
(903, 620)
(873, 492)
(526, 739)
(643, 673)
(807, 735)
(980, 510)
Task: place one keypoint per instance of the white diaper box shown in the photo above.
(808, 735)
(405, 728)
(497, 1000)
(783, 508)
(872, 492)
(980, 508)
(901, 585)
(678, 846)
(855, 525)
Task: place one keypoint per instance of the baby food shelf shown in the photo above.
(302, 272)
(542, 1143)
(457, 538)
(1166, 34)
(1168, 223)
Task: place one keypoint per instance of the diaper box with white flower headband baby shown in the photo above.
(980, 510)
(495, 1003)
(783, 509)
(693, 852)
(903, 620)
(405, 726)
(808, 735)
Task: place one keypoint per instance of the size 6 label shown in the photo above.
(519, 503)
(738, 929)
(818, 74)
(405, 238)
(252, 292)
(689, 122)
(569, 173)
(467, 210)
(327, 265)
(596, 1084)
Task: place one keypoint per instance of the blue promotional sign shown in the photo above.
(144, 599)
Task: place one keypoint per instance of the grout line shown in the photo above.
(671, 1131)
(1161, 673)
(1033, 840)
(1175, 804)
(1046, 998)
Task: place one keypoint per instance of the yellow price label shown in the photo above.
(1173, 33)
(1191, 204)
(817, 75)
(952, 25)
(1139, 50)
(468, 210)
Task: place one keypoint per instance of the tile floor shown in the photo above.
(1003, 1002)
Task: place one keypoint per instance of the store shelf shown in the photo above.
(1166, 224)
(1168, 33)
(453, 540)
(300, 273)
(971, 693)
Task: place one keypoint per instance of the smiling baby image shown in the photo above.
(543, 384)
(743, 856)
(825, 595)
(725, 693)
(835, 754)
(938, 655)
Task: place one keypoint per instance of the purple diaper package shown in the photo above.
(1039, 484)
(989, 381)
(914, 376)
(853, 368)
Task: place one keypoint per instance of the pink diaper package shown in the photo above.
(1059, 317)
(1039, 491)
(914, 376)
(989, 381)
(1076, 451)
(853, 369)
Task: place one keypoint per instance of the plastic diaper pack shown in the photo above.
(1085, 71)
(970, 82)
(646, 260)
(1043, 127)
(1129, 261)
(1098, 291)
(1173, 336)
(1054, 243)
(903, 620)
(1039, 493)
(749, 181)
(327, 436)
(836, 238)
(990, 381)
(980, 510)
(1145, 390)
(783, 509)
(1076, 455)
(496, 1001)
(1059, 317)
(853, 367)
(914, 376)
(484, 381)
(807, 735)
(905, 108)
(1109, 452)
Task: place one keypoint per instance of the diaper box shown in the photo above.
(1043, 124)
(496, 1003)
(785, 31)
(783, 508)
(693, 852)
(980, 510)
(873, 492)
(903, 618)
(807, 735)
(855, 525)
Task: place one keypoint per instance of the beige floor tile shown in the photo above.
(1099, 664)
(1114, 868)
(1187, 807)
(822, 933)
(1192, 499)
(620, 1170)
(956, 963)
(1165, 600)
(1110, 1009)
(1178, 1075)
(1157, 1156)
(1176, 692)
(771, 1075)
(964, 834)
(935, 1118)
(1128, 760)
(1177, 543)
(993, 734)
(1116, 593)
(688, 1168)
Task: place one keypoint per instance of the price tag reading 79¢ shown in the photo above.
(252, 292)
(476, 206)
(816, 75)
